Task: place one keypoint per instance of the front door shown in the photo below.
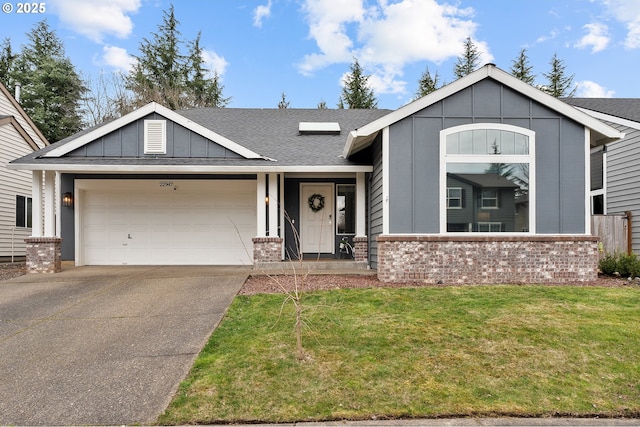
(316, 218)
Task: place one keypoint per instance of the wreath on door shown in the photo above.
(316, 202)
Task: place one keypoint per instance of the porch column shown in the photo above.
(36, 204)
(49, 204)
(43, 247)
(267, 248)
(261, 208)
(273, 204)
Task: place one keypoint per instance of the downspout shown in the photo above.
(629, 216)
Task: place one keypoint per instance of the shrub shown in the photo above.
(626, 265)
(609, 264)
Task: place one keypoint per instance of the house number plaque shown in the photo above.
(166, 184)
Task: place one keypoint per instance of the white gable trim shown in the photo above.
(362, 137)
(143, 112)
(613, 119)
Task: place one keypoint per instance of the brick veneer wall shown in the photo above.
(361, 248)
(44, 254)
(267, 249)
(487, 259)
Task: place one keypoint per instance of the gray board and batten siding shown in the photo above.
(414, 151)
(128, 141)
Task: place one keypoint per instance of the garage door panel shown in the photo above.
(166, 226)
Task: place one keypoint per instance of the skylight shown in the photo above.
(319, 128)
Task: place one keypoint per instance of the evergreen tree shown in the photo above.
(204, 92)
(6, 60)
(356, 92)
(165, 75)
(521, 69)
(322, 105)
(51, 88)
(558, 83)
(428, 84)
(469, 61)
(283, 104)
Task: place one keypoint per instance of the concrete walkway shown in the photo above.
(105, 345)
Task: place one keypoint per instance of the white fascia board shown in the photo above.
(185, 169)
(145, 111)
(613, 119)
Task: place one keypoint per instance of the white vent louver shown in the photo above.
(155, 137)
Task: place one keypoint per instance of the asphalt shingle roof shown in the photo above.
(626, 108)
(272, 133)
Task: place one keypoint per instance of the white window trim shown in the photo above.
(449, 198)
(489, 158)
(155, 147)
(482, 199)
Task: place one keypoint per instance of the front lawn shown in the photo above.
(421, 352)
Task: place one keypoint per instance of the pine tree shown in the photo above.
(51, 88)
(558, 83)
(165, 75)
(283, 104)
(203, 92)
(427, 84)
(322, 105)
(356, 92)
(469, 61)
(6, 60)
(521, 69)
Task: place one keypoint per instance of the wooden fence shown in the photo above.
(613, 231)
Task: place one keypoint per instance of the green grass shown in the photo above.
(421, 352)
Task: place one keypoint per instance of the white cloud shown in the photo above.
(386, 36)
(552, 35)
(589, 89)
(97, 19)
(214, 62)
(627, 12)
(597, 37)
(260, 13)
(117, 58)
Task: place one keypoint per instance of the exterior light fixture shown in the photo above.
(266, 200)
(67, 200)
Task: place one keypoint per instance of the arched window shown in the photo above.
(487, 179)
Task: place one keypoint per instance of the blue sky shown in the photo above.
(303, 48)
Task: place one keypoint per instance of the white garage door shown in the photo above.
(151, 222)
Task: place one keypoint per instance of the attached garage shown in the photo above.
(165, 222)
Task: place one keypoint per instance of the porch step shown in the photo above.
(314, 267)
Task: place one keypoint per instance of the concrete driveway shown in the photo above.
(105, 345)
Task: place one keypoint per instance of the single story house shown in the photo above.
(19, 136)
(615, 175)
(249, 186)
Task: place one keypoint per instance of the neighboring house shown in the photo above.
(248, 186)
(615, 167)
(19, 136)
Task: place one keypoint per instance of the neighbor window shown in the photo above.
(23, 211)
(493, 166)
(454, 198)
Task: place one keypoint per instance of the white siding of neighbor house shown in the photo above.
(13, 182)
(623, 178)
(8, 109)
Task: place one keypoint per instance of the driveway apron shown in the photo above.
(105, 345)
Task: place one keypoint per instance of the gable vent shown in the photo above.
(319, 128)
(155, 137)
